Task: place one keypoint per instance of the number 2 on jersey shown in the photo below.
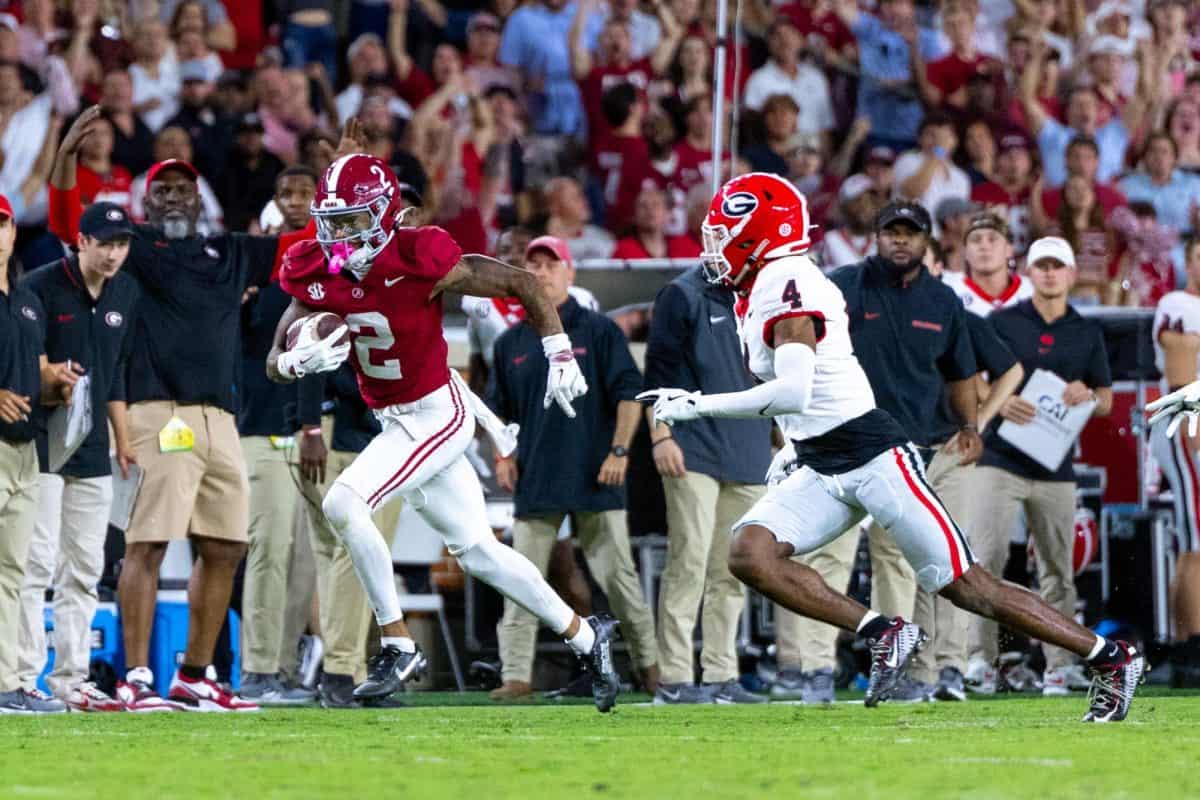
(791, 294)
(381, 339)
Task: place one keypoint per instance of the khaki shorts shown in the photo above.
(202, 492)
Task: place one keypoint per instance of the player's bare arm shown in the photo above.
(484, 276)
(294, 312)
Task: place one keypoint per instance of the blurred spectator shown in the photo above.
(505, 162)
(483, 67)
(887, 93)
(693, 153)
(943, 82)
(1020, 57)
(207, 15)
(1174, 194)
(691, 70)
(193, 38)
(1107, 57)
(645, 30)
(174, 144)
(880, 167)
(379, 130)
(979, 152)
(248, 181)
(784, 73)
(928, 175)
(535, 43)
(233, 95)
(569, 220)
(309, 34)
(367, 61)
(1050, 25)
(1007, 194)
(26, 122)
(622, 163)
(284, 109)
(1183, 124)
(99, 179)
(953, 215)
(1081, 222)
(209, 128)
(649, 238)
(780, 118)
(1083, 160)
(859, 202)
(154, 74)
(827, 37)
(1146, 270)
(133, 142)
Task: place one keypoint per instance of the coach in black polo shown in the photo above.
(910, 334)
(1044, 333)
(89, 306)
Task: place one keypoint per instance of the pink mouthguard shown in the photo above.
(339, 254)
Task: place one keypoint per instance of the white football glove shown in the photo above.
(565, 382)
(321, 356)
(782, 465)
(673, 405)
(1177, 405)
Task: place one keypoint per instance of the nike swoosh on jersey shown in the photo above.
(715, 320)
(389, 282)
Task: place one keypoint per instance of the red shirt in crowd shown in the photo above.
(115, 187)
(693, 167)
(1107, 196)
(952, 73)
(827, 26)
(677, 247)
(624, 168)
(600, 80)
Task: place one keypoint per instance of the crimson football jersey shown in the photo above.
(399, 353)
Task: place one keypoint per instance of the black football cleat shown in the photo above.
(389, 670)
(890, 654)
(1114, 684)
(606, 684)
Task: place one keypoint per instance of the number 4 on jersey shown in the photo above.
(791, 295)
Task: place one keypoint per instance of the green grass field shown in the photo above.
(1023, 748)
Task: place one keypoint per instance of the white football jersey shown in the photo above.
(488, 317)
(979, 302)
(1177, 311)
(791, 287)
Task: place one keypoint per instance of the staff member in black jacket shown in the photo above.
(570, 466)
(183, 370)
(89, 309)
(910, 334)
(1044, 333)
(26, 380)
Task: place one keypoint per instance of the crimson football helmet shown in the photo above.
(753, 218)
(357, 206)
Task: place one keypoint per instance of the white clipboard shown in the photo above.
(125, 492)
(70, 425)
(1056, 426)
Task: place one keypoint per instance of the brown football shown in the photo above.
(314, 328)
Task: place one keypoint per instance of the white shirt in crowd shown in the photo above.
(840, 247)
(809, 88)
(164, 88)
(947, 182)
(979, 302)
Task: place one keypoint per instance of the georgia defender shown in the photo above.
(386, 279)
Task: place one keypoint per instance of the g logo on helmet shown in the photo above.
(739, 204)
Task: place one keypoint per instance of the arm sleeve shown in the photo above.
(990, 353)
(310, 394)
(670, 328)
(958, 361)
(1099, 374)
(65, 210)
(621, 375)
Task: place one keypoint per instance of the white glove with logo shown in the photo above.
(320, 356)
(1179, 404)
(782, 465)
(564, 382)
(673, 405)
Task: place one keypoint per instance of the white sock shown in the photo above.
(584, 639)
(350, 517)
(867, 619)
(1100, 644)
(142, 674)
(402, 643)
(514, 576)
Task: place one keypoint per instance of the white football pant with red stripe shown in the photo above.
(1182, 468)
(808, 510)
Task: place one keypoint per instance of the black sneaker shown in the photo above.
(389, 670)
(606, 684)
(890, 654)
(337, 691)
(1113, 685)
(950, 686)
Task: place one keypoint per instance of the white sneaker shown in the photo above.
(980, 677)
(1054, 683)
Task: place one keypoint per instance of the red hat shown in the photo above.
(170, 163)
(6, 207)
(556, 246)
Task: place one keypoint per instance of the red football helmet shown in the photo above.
(1086, 542)
(753, 218)
(357, 206)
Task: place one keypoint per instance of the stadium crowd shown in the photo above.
(551, 133)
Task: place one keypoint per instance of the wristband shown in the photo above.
(557, 347)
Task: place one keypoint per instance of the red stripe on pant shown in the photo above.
(1184, 454)
(424, 450)
(956, 557)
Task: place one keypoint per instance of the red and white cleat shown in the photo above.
(204, 695)
(88, 697)
(138, 696)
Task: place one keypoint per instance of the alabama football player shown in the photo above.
(386, 281)
(848, 458)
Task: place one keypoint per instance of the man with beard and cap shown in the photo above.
(182, 370)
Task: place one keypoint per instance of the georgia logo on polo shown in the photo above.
(316, 291)
(114, 215)
(211, 252)
(29, 313)
(739, 204)
(113, 319)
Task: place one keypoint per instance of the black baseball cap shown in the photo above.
(105, 222)
(904, 211)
